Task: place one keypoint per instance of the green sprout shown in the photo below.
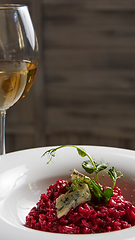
(91, 166)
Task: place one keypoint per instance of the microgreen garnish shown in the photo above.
(91, 166)
(114, 174)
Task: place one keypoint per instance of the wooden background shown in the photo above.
(84, 92)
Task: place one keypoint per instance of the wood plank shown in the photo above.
(111, 5)
(84, 59)
(90, 79)
(86, 36)
(82, 13)
(96, 4)
(88, 139)
(111, 127)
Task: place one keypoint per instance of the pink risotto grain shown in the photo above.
(87, 218)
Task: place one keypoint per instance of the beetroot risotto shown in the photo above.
(82, 205)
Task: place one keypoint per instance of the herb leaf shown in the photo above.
(114, 174)
(81, 152)
(100, 167)
(108, 192)
(88, 167)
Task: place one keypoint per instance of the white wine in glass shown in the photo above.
(18, 58)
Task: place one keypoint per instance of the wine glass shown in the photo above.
(18, 58)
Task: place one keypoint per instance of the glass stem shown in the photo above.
(2, 132)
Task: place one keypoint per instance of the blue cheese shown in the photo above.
(72, 199)
(80, 176)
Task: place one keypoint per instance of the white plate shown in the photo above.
(24, 175)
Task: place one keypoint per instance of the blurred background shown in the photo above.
(84, 91)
